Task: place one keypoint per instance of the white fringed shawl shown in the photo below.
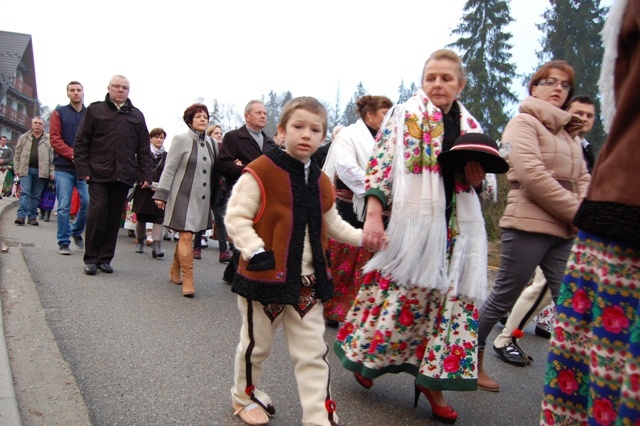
(417, 253)
(352, 145)
(610, 33)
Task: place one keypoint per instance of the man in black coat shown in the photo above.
(111, 152)
(239, 148)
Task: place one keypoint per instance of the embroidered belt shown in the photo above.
(308, 280)
(569, 185)
(344, 195)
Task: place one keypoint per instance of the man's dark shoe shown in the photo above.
(19, 221)
(33, 222)
(64, 250)
(331, 323)
(78, 241)
(105, 267)
(542, 330)
(90, 269)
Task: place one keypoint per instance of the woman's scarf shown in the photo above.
(156, 152)
(422, 251)
(200, 135)
(356, 138)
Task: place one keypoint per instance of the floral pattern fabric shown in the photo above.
(427, 329)
(347, 262)
(546, 314)
(593, 372)
(393, 329)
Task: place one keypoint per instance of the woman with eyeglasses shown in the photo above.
(548, 178)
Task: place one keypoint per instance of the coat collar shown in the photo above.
(551, 117)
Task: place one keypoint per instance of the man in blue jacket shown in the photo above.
(63, 126)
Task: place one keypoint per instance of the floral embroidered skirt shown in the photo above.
(593, 372)
(347, 262)
(392, 329)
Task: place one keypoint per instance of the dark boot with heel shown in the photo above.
(156, 251)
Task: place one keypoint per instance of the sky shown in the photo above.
(176, 53)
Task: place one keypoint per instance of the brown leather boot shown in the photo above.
(185, 256)
(175, 270)
(484, 381)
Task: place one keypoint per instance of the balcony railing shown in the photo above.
(23, 87)
(14, 115)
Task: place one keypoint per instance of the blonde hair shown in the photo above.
(211, 128)
(448, 54)
(306, 103)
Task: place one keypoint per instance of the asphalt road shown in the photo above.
(128, 349)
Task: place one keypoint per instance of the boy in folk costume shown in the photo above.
(280, 216)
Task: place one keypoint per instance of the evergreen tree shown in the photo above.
(334, 114)
(284, 98)
(487, 60)
(571, 31)
(215, 113)
(405, 93)
(350, 116)
(272, 105)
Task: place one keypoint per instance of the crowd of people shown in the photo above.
(381, 233)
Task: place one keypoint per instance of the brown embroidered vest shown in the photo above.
(289, 206)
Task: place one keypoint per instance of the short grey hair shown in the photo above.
(120, 77)
(250, 104)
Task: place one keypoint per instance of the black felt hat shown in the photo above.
(473, 147)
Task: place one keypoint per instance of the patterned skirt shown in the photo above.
(593, 373)
(347, 262)
(392, 329)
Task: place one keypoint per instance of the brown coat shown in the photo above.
(547, 172)
(612, 206)
(45, 156)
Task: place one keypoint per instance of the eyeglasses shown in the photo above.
(552, 82)
(119, 86)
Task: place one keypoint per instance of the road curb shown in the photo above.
(9, 411)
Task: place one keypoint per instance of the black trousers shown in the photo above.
(106, 204)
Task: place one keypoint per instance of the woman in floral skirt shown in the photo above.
(416, 311)
(593, 373)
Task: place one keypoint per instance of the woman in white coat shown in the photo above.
(345, 165)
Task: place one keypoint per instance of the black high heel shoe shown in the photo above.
(445, 414)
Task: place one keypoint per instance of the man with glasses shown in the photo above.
(63, 125)
(6, 157)
(33, 164)
(111, 152)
